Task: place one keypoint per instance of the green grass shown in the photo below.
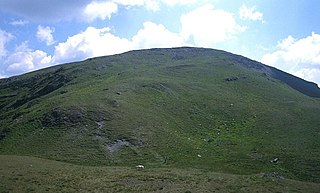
(169, 110)
(28, 174)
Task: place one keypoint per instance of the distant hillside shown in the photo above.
(172, 108)
(305, 87)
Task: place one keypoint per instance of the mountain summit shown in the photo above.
(176, 108)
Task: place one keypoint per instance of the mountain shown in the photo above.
(166, 108)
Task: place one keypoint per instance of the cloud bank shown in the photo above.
(25, 59)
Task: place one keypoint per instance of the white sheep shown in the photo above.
(140, 167)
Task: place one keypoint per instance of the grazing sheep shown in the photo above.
(140, 167)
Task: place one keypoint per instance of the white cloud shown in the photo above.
(100, 41)
(44, 34)
(92, 42)
(207, 26)
(101, 10)
(19, 22)
(286, 43)
(251, 13)
(5, 37)
(25, 59)
(153, 35)
(300, 57)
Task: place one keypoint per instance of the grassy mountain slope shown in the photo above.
(175, 108)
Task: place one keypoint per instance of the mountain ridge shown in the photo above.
(306, 87)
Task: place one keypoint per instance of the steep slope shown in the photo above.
(182, 107)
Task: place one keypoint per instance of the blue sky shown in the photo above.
(39, 33)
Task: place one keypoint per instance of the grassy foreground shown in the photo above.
(29, 174)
